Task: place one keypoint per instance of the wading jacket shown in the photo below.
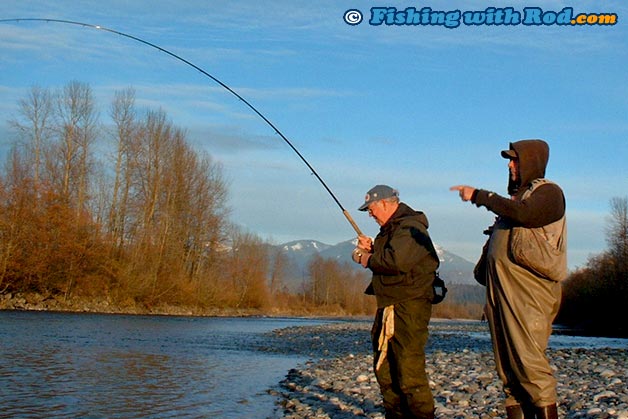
(404, 259)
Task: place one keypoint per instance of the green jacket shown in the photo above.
(404, 260)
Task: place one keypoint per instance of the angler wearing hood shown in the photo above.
(521, 304)
(403, 261)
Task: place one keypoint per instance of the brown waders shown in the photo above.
(531, 412)
(401, 376)
(520, 309)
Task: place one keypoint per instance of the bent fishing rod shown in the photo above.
(215, 79)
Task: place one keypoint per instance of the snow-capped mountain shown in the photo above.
(453, 268)
(304, 248)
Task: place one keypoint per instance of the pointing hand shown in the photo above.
(465, 192)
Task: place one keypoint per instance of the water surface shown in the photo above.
(55, 365)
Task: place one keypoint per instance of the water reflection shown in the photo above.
(59, 366)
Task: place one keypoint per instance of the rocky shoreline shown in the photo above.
(337, 382)
(72, 304)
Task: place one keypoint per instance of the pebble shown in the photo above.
(337, 381)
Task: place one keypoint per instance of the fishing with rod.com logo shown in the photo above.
(491, 16)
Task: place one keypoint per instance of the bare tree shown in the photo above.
(126, 133)
(326, 281)
(34, 127)
(176, 209)
(16, 198)
(617, 235)
(277, 274)
(76, 132)
(246, 268)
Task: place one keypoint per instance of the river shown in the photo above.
(56, 365)
(62, 365)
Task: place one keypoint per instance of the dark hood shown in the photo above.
(404, 211)
(533, 156)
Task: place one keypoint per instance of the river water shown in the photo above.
(55, 365)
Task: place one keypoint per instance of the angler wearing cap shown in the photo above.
(523, 297)
(403, 261)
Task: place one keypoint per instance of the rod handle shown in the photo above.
(352, 222)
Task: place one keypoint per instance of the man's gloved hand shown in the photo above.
(360, 256)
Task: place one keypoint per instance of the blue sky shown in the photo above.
(418, 107)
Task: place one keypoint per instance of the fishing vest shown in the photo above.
(542, 250)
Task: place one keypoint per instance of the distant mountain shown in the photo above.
(298, 254)
(453, 268)
(304, 248)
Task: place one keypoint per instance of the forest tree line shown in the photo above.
(595, 296)
(130, 213)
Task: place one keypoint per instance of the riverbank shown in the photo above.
(338, 383)
(73, 304)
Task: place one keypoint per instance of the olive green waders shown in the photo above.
(520, 309)
(401, 375)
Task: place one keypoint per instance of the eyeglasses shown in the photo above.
(370, 207)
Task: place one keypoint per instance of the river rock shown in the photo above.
(338, 383)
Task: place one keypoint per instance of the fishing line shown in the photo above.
(229, 89)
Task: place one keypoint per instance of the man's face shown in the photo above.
(379, 210)
(513, 165)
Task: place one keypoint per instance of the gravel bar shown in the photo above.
(337, 381)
